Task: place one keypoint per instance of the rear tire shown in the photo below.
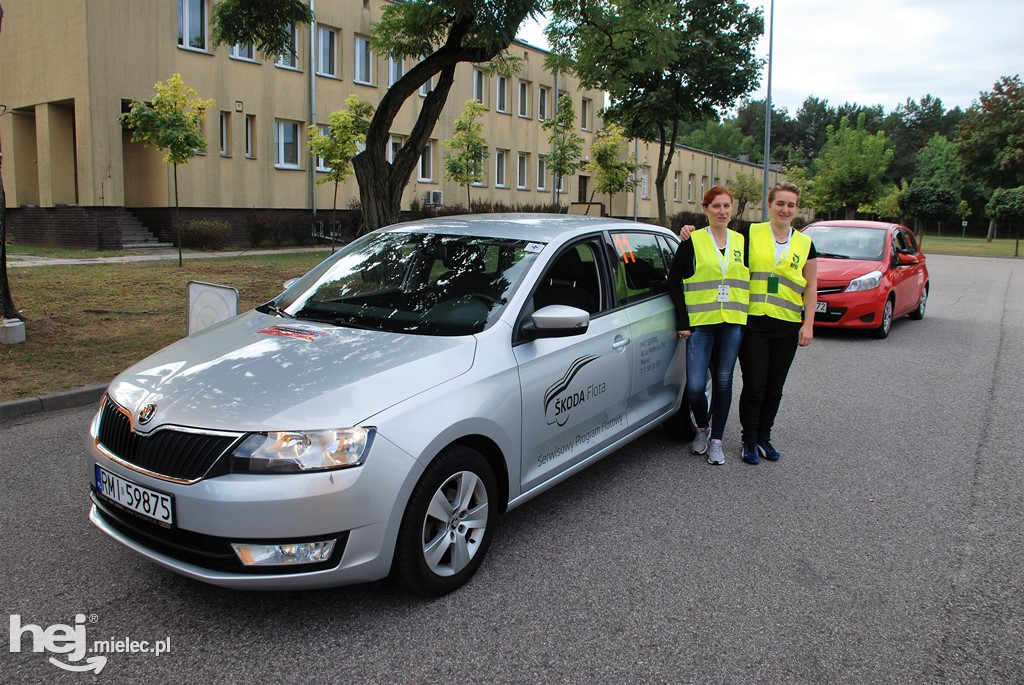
(448, 523)
(918, 313)
(882, 331)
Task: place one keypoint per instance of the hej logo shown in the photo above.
(58, 639)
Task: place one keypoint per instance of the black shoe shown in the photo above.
(767, 451)
(749, 453)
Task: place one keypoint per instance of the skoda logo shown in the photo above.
(146, 414)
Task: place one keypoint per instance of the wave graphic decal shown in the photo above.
(566, 380)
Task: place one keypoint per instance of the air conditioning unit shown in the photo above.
(435, 197)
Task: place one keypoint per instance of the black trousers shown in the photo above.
(769, 346)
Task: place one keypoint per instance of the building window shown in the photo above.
(427, 87)
(502, 93)
(500, 163)
(364, 61)
(524, 99)
(718, 181)
(542, 103)
(542, 172)
(522, 169)
(290, 60)
(676, 182)
(395, 144)
(427, 162)
(703, 186)
(561, 184)
(245, 52)
(585, 114)
(192, 24)
(326, 51)
(225, 134)
(645, 182)
(321, 163)
(479, 86)
(689, 187)
(286, 140)
(250, 136)
(396, 70)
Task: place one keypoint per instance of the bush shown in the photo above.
(205, 234)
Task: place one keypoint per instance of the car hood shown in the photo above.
(844, 270)
(258, 372)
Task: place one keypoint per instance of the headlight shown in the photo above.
(299, 451)
(865, 282)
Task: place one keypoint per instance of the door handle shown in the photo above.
(619, 344)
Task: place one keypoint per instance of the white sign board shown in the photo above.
(209, 304)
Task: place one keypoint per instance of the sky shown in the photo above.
(881, 52)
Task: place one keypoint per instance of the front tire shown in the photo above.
(883, 330)
(448, 523)
(918, 313)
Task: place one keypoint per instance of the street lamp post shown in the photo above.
(768, 114)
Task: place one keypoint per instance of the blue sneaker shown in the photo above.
(749, 453)
(767, 451)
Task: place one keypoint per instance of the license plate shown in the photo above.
(821, 308)
(154, 505)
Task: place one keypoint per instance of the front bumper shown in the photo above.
(860, 309)
(360, 507)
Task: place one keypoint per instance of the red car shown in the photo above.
(869, 274)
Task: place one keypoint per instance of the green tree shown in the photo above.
(612, 173)
(724, 138)
(887, 206)
(1006, 206)
(7, 308)
(264, 23)
(929, 202)
(565, 157)
(443, 33)
(465, 163)
(662, 63)
(851, 169)
(746, 189)
(346, 130)
(173, 123)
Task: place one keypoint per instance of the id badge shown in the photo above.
(723, 293)
(773, 284)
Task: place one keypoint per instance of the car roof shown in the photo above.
(855, 223)
(543, 228)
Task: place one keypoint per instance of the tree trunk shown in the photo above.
(469, 201)
(664, 166)
(991, 230)
(7, 308)
(334, 214)
(177, 221)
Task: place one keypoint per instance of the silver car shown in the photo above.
(379, 415)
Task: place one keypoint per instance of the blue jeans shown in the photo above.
(717, 345)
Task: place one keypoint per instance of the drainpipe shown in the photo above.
(636, 178)
(312, 104)
(554, 110)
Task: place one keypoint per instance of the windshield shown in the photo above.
(847, 242)
(421, 283)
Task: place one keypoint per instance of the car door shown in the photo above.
(642, 262)
(574, 388)
(903, 276)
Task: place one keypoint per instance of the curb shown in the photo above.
(67, 399)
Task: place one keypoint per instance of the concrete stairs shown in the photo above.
(135, 235)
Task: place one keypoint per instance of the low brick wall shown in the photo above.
(87, 228)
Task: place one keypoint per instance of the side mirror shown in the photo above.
(556, 321)
(905, 259)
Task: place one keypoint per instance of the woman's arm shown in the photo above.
(810, 302)
(682, 267)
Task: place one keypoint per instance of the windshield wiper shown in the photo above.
(271, 308)
(832, 255)
(348, 323)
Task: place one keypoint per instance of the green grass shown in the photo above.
(972, 247)
(61, 252)
(84, 324)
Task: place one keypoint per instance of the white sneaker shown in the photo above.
(700, 441)
(716, 456)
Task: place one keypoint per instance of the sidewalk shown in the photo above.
(158, 254)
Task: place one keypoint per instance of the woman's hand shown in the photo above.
(685, 231)
(684, 335)
(806, 334)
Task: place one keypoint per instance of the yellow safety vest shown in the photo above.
(700, 291)
(786, 302)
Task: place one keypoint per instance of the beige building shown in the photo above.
(72, 66)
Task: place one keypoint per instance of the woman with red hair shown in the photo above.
(709, 284)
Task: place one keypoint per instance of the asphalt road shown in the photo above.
(885, 547)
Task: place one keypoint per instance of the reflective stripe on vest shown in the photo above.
(700, 291)
(788, 303)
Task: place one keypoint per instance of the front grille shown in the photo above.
(168, 452)
(205, 551)
(831, 291)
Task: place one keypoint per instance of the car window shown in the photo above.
(899, 242)
(573, 279)
(847, 242)
(911, 242)
(641, 267)
(414, 283)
